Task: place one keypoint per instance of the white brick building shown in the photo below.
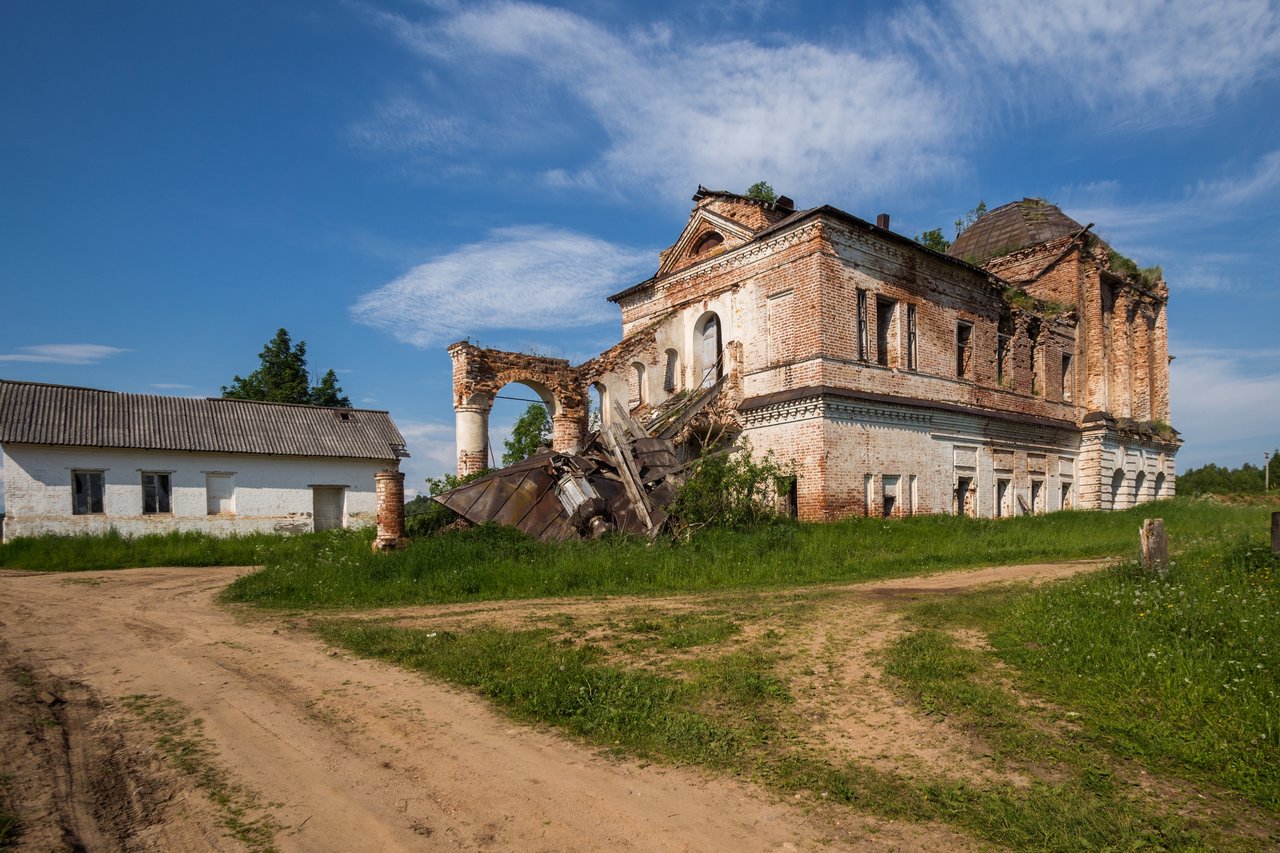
(79, 460)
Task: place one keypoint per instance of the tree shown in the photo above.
(282, 377)
(971, 217)
(531, 432)
(934, 240)
(761, 191)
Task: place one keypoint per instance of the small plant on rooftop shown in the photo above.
(761, 191)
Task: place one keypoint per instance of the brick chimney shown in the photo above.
(389, 491)
(882, 221)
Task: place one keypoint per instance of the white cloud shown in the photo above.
(1226, 403)
(401, 124)
(63, 353)
(170, 386)
(813, 120)
(1141, 63)
(527, 277)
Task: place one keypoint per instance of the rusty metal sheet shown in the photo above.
(479, 501)
(517, 506)
(544, 511)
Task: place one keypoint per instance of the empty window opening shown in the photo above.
(913, 495)
(1068, 378)
(1037, 496)
(1004, 506)
(962, 504)
(889, 496)
(780, 331)
(912, 362)
(862, 325)
(86, 492)
(1004, 336)
(867, 499)
(1033, 336)
(156, 494)
(886, 312)
(964, 349)
(220, 492)
(789, 496)
(1065, 501)
(1138, 482)
(671, 376)
(711, 353)
(1159, 492)
(639, 394)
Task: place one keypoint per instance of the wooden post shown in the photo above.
(1155, 546)
(1275, 532)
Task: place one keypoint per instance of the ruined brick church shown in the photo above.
(1024, 371)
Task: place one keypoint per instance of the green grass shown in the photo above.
(731, 712)
(112, 550)
(494, 563)
(1181, 674)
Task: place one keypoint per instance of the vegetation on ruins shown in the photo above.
(728, 490)
(282, 377)
(1126, 267)
(974, 214)
(531, 433)
(761, 191)
(933, 239)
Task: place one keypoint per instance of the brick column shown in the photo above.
(389, 489)
(568, 432)
(473, 437)
(1160, 364)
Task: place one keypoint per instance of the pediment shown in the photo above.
(706, 235)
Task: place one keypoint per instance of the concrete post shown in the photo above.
(389, 490)
(1155, 546)
(473, 438)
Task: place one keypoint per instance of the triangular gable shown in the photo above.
(702, 223)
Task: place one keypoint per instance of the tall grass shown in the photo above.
(111, 550)
(487, 563)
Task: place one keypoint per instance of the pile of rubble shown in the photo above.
(624, 479)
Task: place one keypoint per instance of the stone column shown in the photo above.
(1160, 365)
(473, 437)
(389, 489)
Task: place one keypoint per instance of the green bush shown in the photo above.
(728, 490)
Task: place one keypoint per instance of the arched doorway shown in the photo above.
(1138, 482)
(1159, 495)
(1117, 483)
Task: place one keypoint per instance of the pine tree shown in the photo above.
(282, 377)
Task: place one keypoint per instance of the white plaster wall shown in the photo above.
(272, 493)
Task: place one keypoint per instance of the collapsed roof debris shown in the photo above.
(624, 479)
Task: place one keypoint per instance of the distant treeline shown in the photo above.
(1248, 479)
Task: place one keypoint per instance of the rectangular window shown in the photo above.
(911, 338)
(86, 492)
(866, 494)
(886, 311)
(1037, 496)
(1068, 379)
(1003, 508)
(964, 349)
(781, 331)
(220, 490)
(1002, 354)
(155, 494)
(862, 325)
(962, 503)
(913, 495)
(1065, 503)
(1035, 371)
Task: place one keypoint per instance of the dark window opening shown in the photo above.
(964, 349)
(885, 313)
(1004, 336)
(1002, 498)
(1068, 380)
(671, 377)
(862, 325)
(889, 496)
(86, 492)
(911, 338)
(789, 496)
(707, 242)
(963, 484)
(156, 494)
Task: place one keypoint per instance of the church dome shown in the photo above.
(1014, 226)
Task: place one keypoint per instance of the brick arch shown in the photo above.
(479, 374)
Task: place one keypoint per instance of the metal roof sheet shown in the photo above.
(1011, 227)
(35, 413)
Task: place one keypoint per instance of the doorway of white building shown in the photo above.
(328, 506)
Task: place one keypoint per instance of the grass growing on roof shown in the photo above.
(340, 571)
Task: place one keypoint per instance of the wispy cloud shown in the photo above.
(402, 124)
(1137, 63)
(676, 113)
(1225, 401)
(527, 277)
(63, 353)
(170, 386)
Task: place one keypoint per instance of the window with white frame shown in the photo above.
(156, 493)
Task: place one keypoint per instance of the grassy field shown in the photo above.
(494, 563)
(113, 551)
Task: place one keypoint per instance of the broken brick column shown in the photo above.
(473, 437)
(568, 432)
(389, 491)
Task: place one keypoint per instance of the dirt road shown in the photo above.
(353, 755)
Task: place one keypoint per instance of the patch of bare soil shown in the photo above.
(355, 754)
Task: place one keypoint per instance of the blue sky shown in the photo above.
(383, 178)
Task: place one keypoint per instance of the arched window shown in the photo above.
(1138, 482)
(671, 377)
(710, 352)
(1159, 495)
(707, 242)
(639, 394)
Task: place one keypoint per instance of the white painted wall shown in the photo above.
(272, 493)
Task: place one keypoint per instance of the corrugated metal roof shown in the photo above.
(35, 413)
(1011, 227)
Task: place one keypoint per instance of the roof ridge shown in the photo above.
(186, 397)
